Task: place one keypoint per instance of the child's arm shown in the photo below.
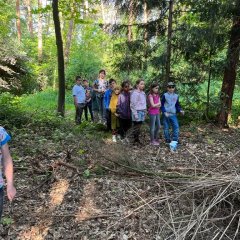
(8, 167)
(154, 105)
(178, 107)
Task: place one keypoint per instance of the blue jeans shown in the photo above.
(173, 122)
(154, 126)
(1, 202)
(101, 107)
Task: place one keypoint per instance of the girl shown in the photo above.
(123, 109)
(100, 86)
(6, 161)
(114, 115)
(138, 107)
(154, 113)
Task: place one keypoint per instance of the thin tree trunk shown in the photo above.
(130, 21)
(18, 20)
(68, 41)
(59, 43)
(169, 41)
(230, 71)
(209, 83)
(146, 15)
(40, 46)
(30, 23)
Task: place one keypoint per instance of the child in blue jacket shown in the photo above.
(170, 107)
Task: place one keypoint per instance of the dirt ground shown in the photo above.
(82, 186)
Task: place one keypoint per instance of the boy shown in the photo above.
(79, 99)
(88, 106)
(6, 161)
(170, 106)
(106, 100)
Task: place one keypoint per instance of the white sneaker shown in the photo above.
(119, 137)
(114, 139)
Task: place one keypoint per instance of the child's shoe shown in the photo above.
(114, 139)
(154, 143)
(119, 137)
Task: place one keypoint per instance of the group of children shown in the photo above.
(122, 108)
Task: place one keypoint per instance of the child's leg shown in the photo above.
(86, 112)
(157, 127)
(90, 110)
(100, 106)
(175, 126)
(1, 202)
(166, 122)
(152, 126)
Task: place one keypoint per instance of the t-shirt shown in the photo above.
(156, 99)
(101, 85)
(79, 92)
(4, 138)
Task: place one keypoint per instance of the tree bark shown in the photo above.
(146, 15)
(169, 42)
(69, 40)
(130, 21)
(18, 20)
(230, 71)
(40, 47)
(61, 74)
(30, 23)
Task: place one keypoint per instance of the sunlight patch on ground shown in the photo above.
(88, 207)
(40, 231)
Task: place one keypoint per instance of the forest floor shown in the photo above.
(74, 183)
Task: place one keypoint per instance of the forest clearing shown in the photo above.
(119, 120)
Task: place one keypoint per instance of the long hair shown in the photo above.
(137, 82)
(153, 85)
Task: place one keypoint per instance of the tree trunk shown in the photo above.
(69, 40)
(146, 15)
(30, 23)
(230, 71)
(40, 47)
(61, 74)
(209, 83)
(169, 41)
(130, 21)
(18, 20)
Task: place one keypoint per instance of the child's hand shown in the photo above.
(116, 114)
(166, 114)
(182, 112)
(11, 192)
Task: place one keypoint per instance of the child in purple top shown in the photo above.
(154, 113)
(138, 107)
(123, 109)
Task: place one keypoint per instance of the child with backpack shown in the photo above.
(154, 113)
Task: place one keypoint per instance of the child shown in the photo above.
(154, 113)
(6, 161)
(79, 97)
(106, 100)
(123, 109)
(113, 108)
(88, 106)
(100, 86)
(138, 107)
(171, 106)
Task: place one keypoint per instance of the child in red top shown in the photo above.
(154, 113)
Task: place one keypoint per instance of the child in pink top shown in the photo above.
(154, 113)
